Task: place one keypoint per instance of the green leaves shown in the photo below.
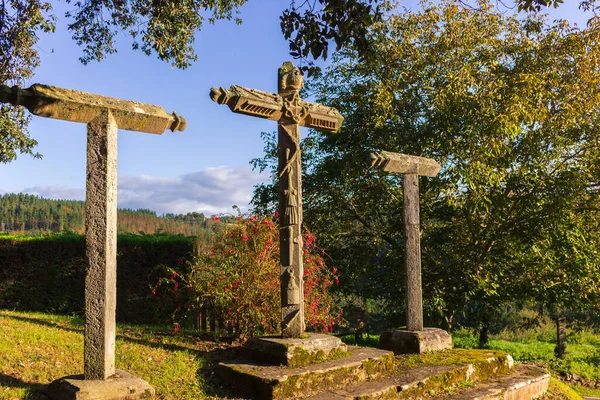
(509, 107)
(20, 21)
(166, 28)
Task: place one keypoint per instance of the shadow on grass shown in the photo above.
(33, 390)
(170, 347)
(210, 358)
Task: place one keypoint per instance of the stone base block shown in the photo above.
(122, 385)
(419, 342)
(295, 352)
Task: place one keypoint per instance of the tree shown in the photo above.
(168, 28)
(510, 108)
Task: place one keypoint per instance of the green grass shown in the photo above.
(36, 349)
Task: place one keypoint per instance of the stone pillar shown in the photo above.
(290, 216)
(412, 254)
(101, 247)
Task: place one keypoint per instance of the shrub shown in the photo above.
(236, 275)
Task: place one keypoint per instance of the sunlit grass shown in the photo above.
(36, 349)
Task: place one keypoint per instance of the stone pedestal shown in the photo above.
(120, 386)
(295, 352)
(419, 342)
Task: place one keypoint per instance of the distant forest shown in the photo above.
(29, 213)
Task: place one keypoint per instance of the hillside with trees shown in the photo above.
(28, 213)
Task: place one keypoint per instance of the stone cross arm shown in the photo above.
(73, 105)
(274, 107)
(404, 164)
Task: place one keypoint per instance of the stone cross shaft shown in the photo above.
(103, 116)
(290, 113)
(411, 167)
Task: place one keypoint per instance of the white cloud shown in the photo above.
(209, 191)
(56, 192)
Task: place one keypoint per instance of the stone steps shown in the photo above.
(367, 373)
(414, 382)
(265, 381)
(525, 381)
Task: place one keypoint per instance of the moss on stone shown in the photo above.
(448, 357)
(302, 358)
(472, 365)
(317, 382)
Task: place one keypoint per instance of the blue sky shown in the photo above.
(204, 169)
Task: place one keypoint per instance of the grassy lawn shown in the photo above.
(36, 348)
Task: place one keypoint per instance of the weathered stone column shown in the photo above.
(101, 247)
(415, 339)
(104, 116)
(412, 253)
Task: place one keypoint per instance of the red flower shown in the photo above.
(216, 219)
(335, 270)
(276, 215)
(154, 291)
(176, 285)
(174, 275)
(235, 285)
(176, 328)
(254, 218)
(337, 280)
(326, 329)
(244, 238)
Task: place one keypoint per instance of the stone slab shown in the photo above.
(121, 386)
(418, 342)
(294, 352)
(281, 382)
(524, 382)
(414, 382)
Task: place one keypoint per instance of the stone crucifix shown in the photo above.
(411, 167)
(290, 113)
(103, 116)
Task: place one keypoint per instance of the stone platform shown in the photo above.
(367, 373)
(264, 381)
(120, 386)
(419, 342)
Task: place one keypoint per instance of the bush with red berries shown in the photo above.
(235, 277)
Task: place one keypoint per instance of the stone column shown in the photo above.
(412, 253)
(290, 216)
(101, 247)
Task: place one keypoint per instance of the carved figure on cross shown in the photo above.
(290, 112)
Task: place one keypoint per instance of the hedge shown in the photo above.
(47, 273)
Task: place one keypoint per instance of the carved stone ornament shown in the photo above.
(291, 204)
(292, 291)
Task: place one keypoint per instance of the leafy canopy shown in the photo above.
(167, 28)
(510, 108)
